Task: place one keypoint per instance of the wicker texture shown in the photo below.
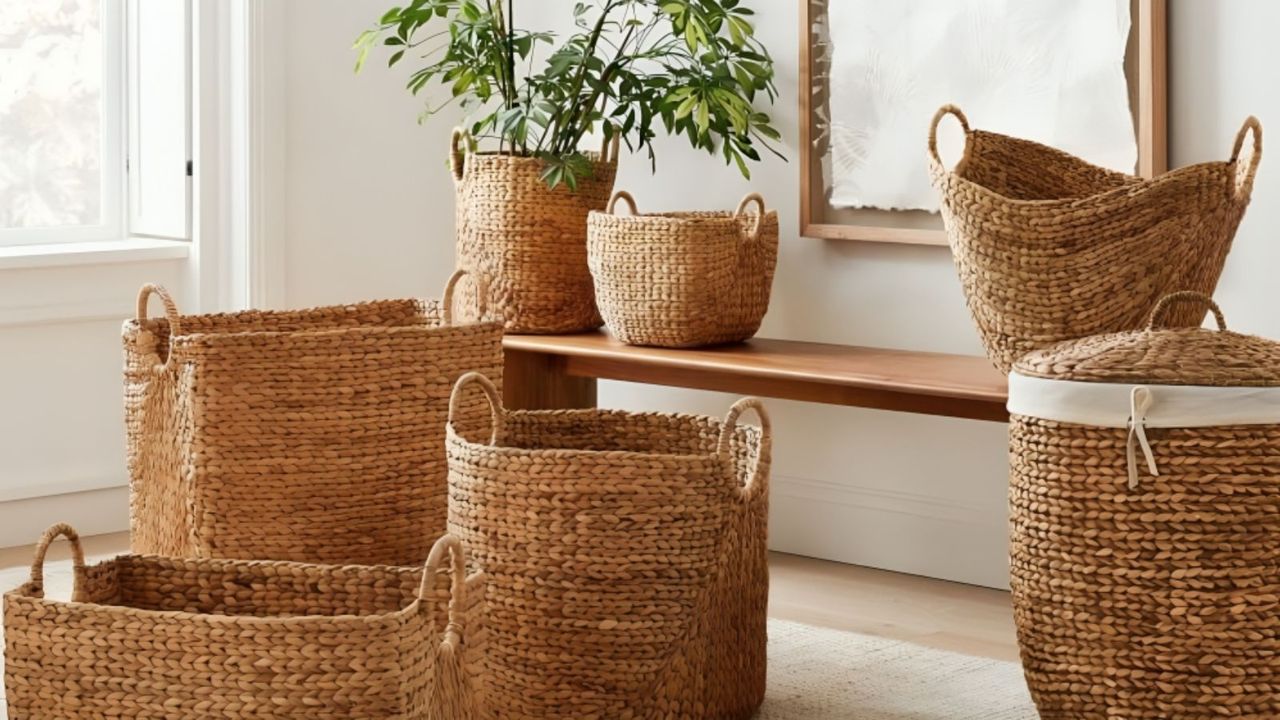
(313, 435)
(626, 557)
(1156, 601)
(156, 637)
(1050, 248)
(683, 279)
(528, 241)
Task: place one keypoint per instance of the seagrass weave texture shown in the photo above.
(157, 637)
(626, 555)
(313, 435)
(683, 279)
(1156, 600)
(1050, 248)
(529, 241)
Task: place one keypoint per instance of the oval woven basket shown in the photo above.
(310, 435)
(627, 559)
(683, 279)
(158, 637)
(529, 242)
(1050, 248)
(1145, 522)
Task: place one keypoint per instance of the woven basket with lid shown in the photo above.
(1145, 504)
(1050, 248)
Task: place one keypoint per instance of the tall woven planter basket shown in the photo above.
(313, 435)
(529, 242)
(1145, 502)
(156, 637)
(1050, 248)
(627, 559)
(683, 279)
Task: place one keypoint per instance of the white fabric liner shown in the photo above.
(1171, 406)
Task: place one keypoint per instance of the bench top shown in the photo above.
(907, 381)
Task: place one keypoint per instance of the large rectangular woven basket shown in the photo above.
(157, 637)
(626, 555)
(311, 435)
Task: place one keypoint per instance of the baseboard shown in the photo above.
(902, 532)
(96, 512)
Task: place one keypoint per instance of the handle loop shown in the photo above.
(457, 584)
(626, 197)
(1162, 307)
(944, 111)
(610, 148)
(496, 411)
(1245, 173)
(77, 552)
(758, 200)
(482, 295)
(170, 308)
(755, 483)
(458, 155)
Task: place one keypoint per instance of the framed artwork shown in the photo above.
(1087, 76)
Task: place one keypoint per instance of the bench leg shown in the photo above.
(533, 381)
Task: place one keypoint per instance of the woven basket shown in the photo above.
(528, 241)
(683, 279)
(313, 435)
(627, 559)
(1050, 248)
(156, 637)
(1144, 549)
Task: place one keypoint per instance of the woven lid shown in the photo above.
(1163, 356)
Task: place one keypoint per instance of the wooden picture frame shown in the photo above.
(1148, 94)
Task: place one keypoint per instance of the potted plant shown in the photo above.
(692, 67)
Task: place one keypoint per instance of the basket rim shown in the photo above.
(681, 216)
(1136, 184)
(712, 456)
(133, 325)
(23, 592)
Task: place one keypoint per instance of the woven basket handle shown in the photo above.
(42, 548)
(1168, 301)
(482, 295)
(459, 145)
(610, 148)
(497, 412)
(170, 314)
(752, 199)
(756, 483)
(1245, 172)
(944, 111)
(457, 584)
(626, 197)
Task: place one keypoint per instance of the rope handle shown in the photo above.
(755, 483)
(482, 295)
(497, 412)
(1245, 173)
(944, 111)
(626, 197)
(459, 145)
(170, 308)
(42, 548)
(457, 584)
(756, 199)
(610, 148)
(1162, 307)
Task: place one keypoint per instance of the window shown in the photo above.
(94, 120)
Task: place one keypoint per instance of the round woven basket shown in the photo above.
(146, 636)
(683, 279)
(627, 559)
(1050, 248)
(528, 241)
(1144, 549)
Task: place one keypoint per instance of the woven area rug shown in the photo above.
(819, 674)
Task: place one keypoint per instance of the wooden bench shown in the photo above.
(560, 371)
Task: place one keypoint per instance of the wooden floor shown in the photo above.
(948, 616)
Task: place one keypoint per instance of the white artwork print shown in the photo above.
(1045, 70)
